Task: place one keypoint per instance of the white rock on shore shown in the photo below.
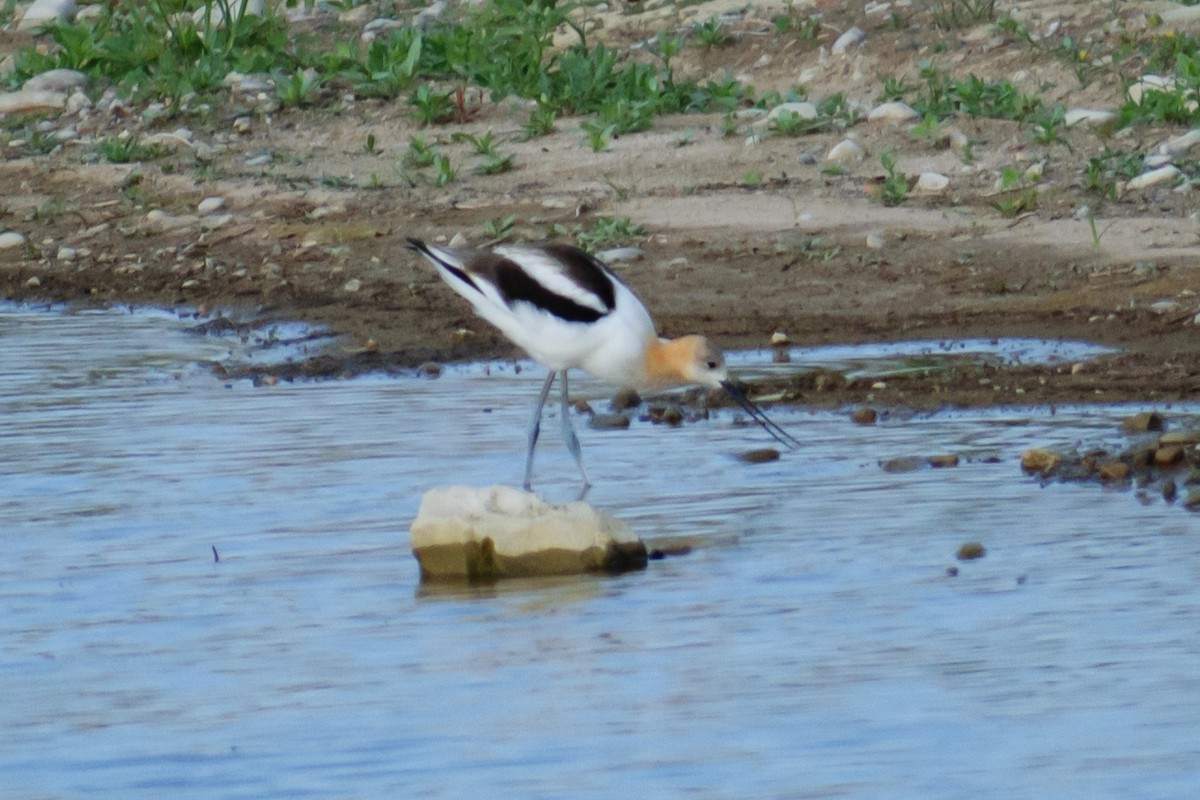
(44, 11)
(469, 533)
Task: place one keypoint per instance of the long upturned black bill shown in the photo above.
(760, 416)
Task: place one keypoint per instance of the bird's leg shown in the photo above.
(568, 433)
(535, 427)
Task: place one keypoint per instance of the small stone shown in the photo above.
(190, 283)
(33, 282)
(11, 239)
(210, 204)
(1169, 490)
(1180, 145)
(243, 125)
(57, 80)
(902, 464)
(471, 534)
(28, 102)
(1168, 456)
(845, 152)
(1153, 178)
(430, 369)
(608, 422)
(618, 255)
(952, 572)
(760, 456)
(66, 253)
(780, 339)
(1088, 116)
(931, 183)
(876, 241)
(1161, 307)
(1143, 421)
(970, 551)
(42, 12)
(801, 109)
(352, 285)
(1039, 460)
(625, 399)
(1114, 471)
(893, 111)
(864, 416)
(1192, 501)
(943, 462)
(850, 38)
(1179, 437)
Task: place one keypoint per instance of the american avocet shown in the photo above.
(566, 309)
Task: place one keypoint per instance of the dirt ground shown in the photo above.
(745, 235)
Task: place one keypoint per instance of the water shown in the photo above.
(815, 648)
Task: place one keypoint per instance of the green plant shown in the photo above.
(540, 123)
(954, 14)
(499, 228)
(432, 106)
(495, 164)
(605, 232)
(895, 183)
(709, 33)
(445, 172)
(806, 28)
(1048, 124)
(598, 134)
(298, 89)
(484, 145)
(419, 153)
(118, 150)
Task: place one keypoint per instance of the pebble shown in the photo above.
(1088, 116)
(66, 253)
(43, 11)
(625, 399)
(894, 111)
(864, 416)
(876, 241)
(1114, 471)
(430, 369)
(1150, 82)
(1167, 456)
(845, 152)
(802, 109)
(780, 339)
(608, 422)
(850, 38)
(77, 102)
(931, 183)
(970, 551)
(33, 282)
(10, 239)
(762, 455)
(1143, 421)
(902, 464)
(352, 285)
(1161, 307)
(1179, 437)
(1039, 460)
(943, 462)
(620, 254)
(1178, 145)
(210, 204)
(31, 102)
(1153, 177)
(243, 125)
(57, 80)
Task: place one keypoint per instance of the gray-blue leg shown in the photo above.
(568, 432)
(535, 427)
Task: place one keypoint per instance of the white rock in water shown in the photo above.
(25, 102)
(43, 11)
(845, 151)
(931, 183)
(57, 80)
(11, 239)
(210, 204)
(467, 533)
(1153, 177)
(893, 111)
(847, 40)
(1088, 116)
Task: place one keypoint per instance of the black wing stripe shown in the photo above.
(587, 271)
(517, 286)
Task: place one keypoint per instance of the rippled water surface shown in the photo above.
(814, 647)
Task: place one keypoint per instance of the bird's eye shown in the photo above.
(713, 365)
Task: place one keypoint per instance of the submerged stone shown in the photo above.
(466, 533)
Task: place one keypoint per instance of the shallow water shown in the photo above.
(816, 647)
